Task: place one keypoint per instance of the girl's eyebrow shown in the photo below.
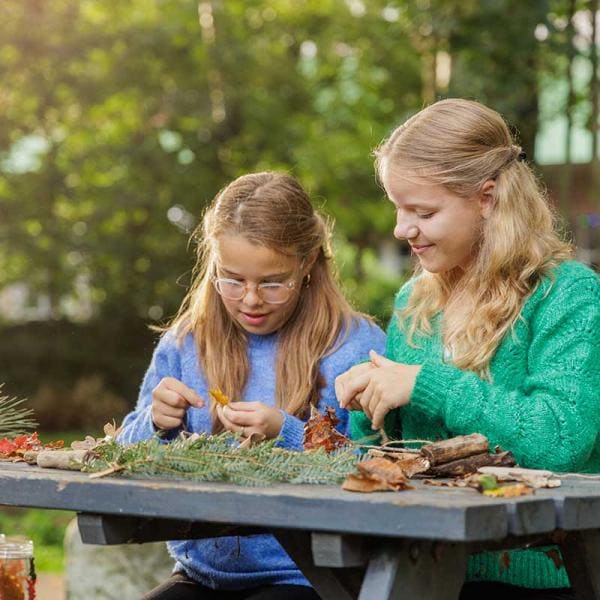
(416, 203)
(283, 275)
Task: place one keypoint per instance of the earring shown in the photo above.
(307, 281)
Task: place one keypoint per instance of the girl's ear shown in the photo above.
(308, 262)
(487, 198)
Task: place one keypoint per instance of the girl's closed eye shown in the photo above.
(425, 215)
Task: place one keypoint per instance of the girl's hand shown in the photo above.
(170, 400)
(381, 389)
(343, 383)
(246, 418)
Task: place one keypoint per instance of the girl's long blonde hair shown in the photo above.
(461, 144)
(274, 211)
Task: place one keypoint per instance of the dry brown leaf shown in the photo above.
(359, 483)
(382, 468)
(320, 432)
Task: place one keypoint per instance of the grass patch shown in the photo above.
(45, 527)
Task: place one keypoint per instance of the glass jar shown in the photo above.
(17, 572)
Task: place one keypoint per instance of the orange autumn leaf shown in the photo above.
(320, 432)
(382, 468)
(377, 474)
(359, 483)
(218, 396)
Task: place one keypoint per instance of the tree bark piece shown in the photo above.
(455, 448)
(470, 464)
(61, 459)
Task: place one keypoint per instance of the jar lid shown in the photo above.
(15, 547)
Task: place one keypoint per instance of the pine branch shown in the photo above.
(219, 458)
(14, 419)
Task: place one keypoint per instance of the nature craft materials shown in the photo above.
(15, 419)
(328, 458)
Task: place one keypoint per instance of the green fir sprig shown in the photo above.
(220, 458)
(14, 419)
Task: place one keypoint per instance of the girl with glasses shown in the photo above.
(266, 322)
(498, 332)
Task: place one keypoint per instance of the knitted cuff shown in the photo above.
(292, 433)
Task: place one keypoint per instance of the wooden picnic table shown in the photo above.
(380, 546)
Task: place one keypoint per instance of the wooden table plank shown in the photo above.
(426, 512)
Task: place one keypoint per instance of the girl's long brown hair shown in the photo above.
(270, 210)
(461, 144)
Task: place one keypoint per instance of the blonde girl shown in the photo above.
(266, 322)
(498, 331)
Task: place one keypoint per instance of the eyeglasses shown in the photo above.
(271, 293)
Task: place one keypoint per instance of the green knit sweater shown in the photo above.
(543, 403)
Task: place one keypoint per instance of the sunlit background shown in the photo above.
(119, 121)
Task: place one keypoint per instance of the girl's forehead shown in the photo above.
(411, 189)
(236, 254)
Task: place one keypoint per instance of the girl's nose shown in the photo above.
(405, 231)
(252, 296)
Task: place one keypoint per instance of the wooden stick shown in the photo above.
(61, 459)
(455, 448)
(470, 464)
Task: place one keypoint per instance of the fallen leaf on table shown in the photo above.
(509, 491)
(320, 432)
(410, 463)
(377, 474)
(360, 483)
(535, 478)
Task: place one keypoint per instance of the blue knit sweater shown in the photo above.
(257, 560)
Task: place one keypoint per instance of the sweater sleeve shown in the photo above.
(552, 419)
(165, 362)
(363, 337)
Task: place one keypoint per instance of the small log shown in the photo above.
(470, 464)
(454, 448)
(30, 456)
(71, 460)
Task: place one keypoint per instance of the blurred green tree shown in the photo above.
(120, 121)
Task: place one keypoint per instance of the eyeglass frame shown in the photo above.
(289, 286)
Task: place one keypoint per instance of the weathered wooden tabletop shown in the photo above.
(403, 538)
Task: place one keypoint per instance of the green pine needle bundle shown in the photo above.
(14, 419)
(219, 458)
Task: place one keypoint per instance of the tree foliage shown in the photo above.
(119, 121)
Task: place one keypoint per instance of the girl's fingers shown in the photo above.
(167, 423)
(354, 387)
(169, 398)
(187, 394)
(244, 406)
(170, 411)
(379, 415)
(232, 420)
